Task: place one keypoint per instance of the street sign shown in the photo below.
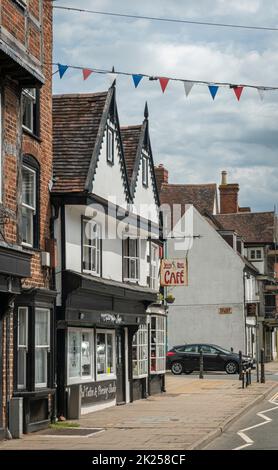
(174, 272)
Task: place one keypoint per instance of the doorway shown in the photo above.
(120, 366)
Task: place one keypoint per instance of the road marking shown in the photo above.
(261, 414)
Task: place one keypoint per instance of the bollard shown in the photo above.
(242, 378)
(201, 373)
(249, 375)
(240, 365)
(262, 367)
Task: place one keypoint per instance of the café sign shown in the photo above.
(174, 272)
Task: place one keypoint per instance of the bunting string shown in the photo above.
(137, 78)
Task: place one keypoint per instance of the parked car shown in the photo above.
(186, 358)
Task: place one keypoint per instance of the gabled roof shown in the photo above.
(135, 139)
(76, 121)
(202, 196)
(254, 227)
(79, 123)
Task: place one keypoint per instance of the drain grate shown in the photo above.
(70, 432)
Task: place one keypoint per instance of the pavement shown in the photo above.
(189, 415)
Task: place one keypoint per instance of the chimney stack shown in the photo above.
(228, 196)
(161, 176)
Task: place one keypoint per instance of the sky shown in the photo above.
(194, 137)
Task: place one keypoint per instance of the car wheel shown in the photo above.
(231, 367)
(176, 368)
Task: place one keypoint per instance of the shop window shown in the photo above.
(80, 355)
(22, 346)
(105, 351)
(110, 145)
(140, 352)
(30, 111)
(91, 247)
(131, 260)
(157, 345)
(42, 346)
(153, 266)
(145, 170)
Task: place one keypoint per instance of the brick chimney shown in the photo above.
(228, 196)
(161, 176)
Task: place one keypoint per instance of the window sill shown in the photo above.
(31, 134)
(143, 376)
(30, 249)
(157, 372)
(90, 273)
(100, 378)
(80, 381)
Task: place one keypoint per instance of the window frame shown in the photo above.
(157, 345)
(110, 145)
(32, 165)
(145, 170)
(127, 258)
(45, 347)
(154, 266)
(81, 378)
(34, 103)
(92, 249)
(22, 347)
(1, 158)
(256, 251)
(32, 209)
(139, 347)
(105, 376)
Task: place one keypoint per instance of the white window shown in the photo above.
(110, 145)
(131, 259)
(145, 168)
(154, 266)
(140, 352)
(28, 205)
(158, 339)
(80, 355)
(0, 148)
(42, 346)
(105, 354)
(256, 254)
(91, 247)
(29, 103)
(22, 346)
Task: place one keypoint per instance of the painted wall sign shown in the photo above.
(174, 272)
(225, 310)
(98, 391)
(111, 318)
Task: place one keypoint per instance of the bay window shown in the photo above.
(140, 352)
(105, 354)
(91, 247)
(131, 259)
(42, 346)
(157, 346)
(80, 355)
(22, 346)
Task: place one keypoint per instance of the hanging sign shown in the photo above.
(174, 272)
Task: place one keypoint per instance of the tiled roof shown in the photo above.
(254, 227)
(76, 121)
(202, 196)
(130, 139)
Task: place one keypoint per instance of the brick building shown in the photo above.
(26, 292)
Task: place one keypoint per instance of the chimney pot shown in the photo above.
(224, 177)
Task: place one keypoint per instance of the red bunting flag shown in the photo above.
(163, 83)
(238, 91)
(86, 73)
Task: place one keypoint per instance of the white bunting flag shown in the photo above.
(188, 87)
(261, 93)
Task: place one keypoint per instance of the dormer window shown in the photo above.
(110, 146)
(256, 254)
(145, 170)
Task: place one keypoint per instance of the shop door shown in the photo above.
(120, 367)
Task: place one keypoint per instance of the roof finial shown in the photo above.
(146, 111)
(113, 77)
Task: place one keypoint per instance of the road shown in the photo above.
(222, 375)
(256, 430)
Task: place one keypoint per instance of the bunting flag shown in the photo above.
(137, 79)
(188, 84)
(213, 90)
(238, 91)
(62, 69)
(188, 87)
(261, 93)
(163, 83)
(86, 73)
